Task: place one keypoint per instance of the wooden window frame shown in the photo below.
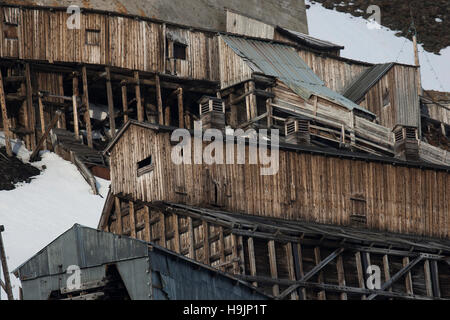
(97, 32)
(145, 166)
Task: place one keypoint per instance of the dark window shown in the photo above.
(145, 166)
(179, 51)
(93, 37)
(10, 31)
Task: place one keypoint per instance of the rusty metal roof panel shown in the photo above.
(358, 88)
(283, 62)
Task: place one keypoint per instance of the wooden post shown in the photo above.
(180, 108)
(359, 268)
(247, 102)
(269, 110)
(428, 282)
(221, 248)
(8, 287)
(147, 227)
(31, 117)
(118, 215)
(341, 275)
(75, 94)
(167, 116)
(253, 102)
(140, 108)
(176, 235)
(26, 114)
(132, 219)
(234, 112)
(321, 295)
(251, 258)
(5, 117)
(42, 119)
(191, 238)
(87, 115)
(290, 266)
(234, 254)
(62, 119)
(159, 100)
(206, 250)
(109, 92)
(124, 102)
(408, 278)
(162, 220)
(273, 266)
(44, 136)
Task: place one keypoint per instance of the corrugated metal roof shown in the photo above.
(310, 41)
(283, 62)
(358, 88)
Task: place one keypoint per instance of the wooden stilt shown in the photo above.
(132, 219)
(29, 96)
(118, 215)
(35, 153)
(87, 115)
(75, 93)
(251, 257)
(7, 283)
(180, 108)
(26, 115)
(125, 103)
(273, 266)
(109, 93)
(62, 119)
(5, 118)
(42, 119)
(140, 108)
(159, 100)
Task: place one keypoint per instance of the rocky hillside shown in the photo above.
(430, 17)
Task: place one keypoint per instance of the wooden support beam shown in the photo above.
(125, 103)
(269, 109)
(241, 255)
(428, 282)
(234, 254)
(206, 250)
(397, 276)
(341, 275)
(176, 230)
(191, 238)
(408, 277)
(387, 271)
(147, 227)
(118, 215)
(41, 117)
(299, 270)
(26, 115)
(234, 112)
(180, 108)
(109, 93)
(29, 98)
(5, 118)
(247, 102)
(87, 115)
(312, 272)
(290, 266)
(252, 100)
(75, 95)
(273, 266)
(251, 258)
(360, 270)
(321, 294)
(7, 284)
(159, 100)
(62, 119)
(221, 248)
(162, 221)
(52, 124)
(167, 116)
(435, 278)
(140, 107)
(132, 217)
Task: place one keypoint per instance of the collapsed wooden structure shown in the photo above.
(353, 154)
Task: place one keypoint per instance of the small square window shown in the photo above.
(11, 31)
(145, 166)
(179, 51)
(92, 37)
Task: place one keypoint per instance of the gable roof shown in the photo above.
(360, 86)
(283, 62)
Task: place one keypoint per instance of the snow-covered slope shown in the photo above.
(365, 43)
(35, 214)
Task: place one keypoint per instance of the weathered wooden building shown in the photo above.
(357, 184)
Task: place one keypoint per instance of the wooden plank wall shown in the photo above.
(336, 73)
(309, 187)
(106, 40)
(239, 24)
(400, 86)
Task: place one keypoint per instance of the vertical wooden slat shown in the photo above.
(5, 117)
(360, 270)
(234, 255)
(387, 271)
(299, 270)
(221, 248)
(428, 282)
(109, 93)
(435, 278)
(408, 277)
(162, 221)
(147, 227)
(251, 258)
(241, 255)
(87, 115)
